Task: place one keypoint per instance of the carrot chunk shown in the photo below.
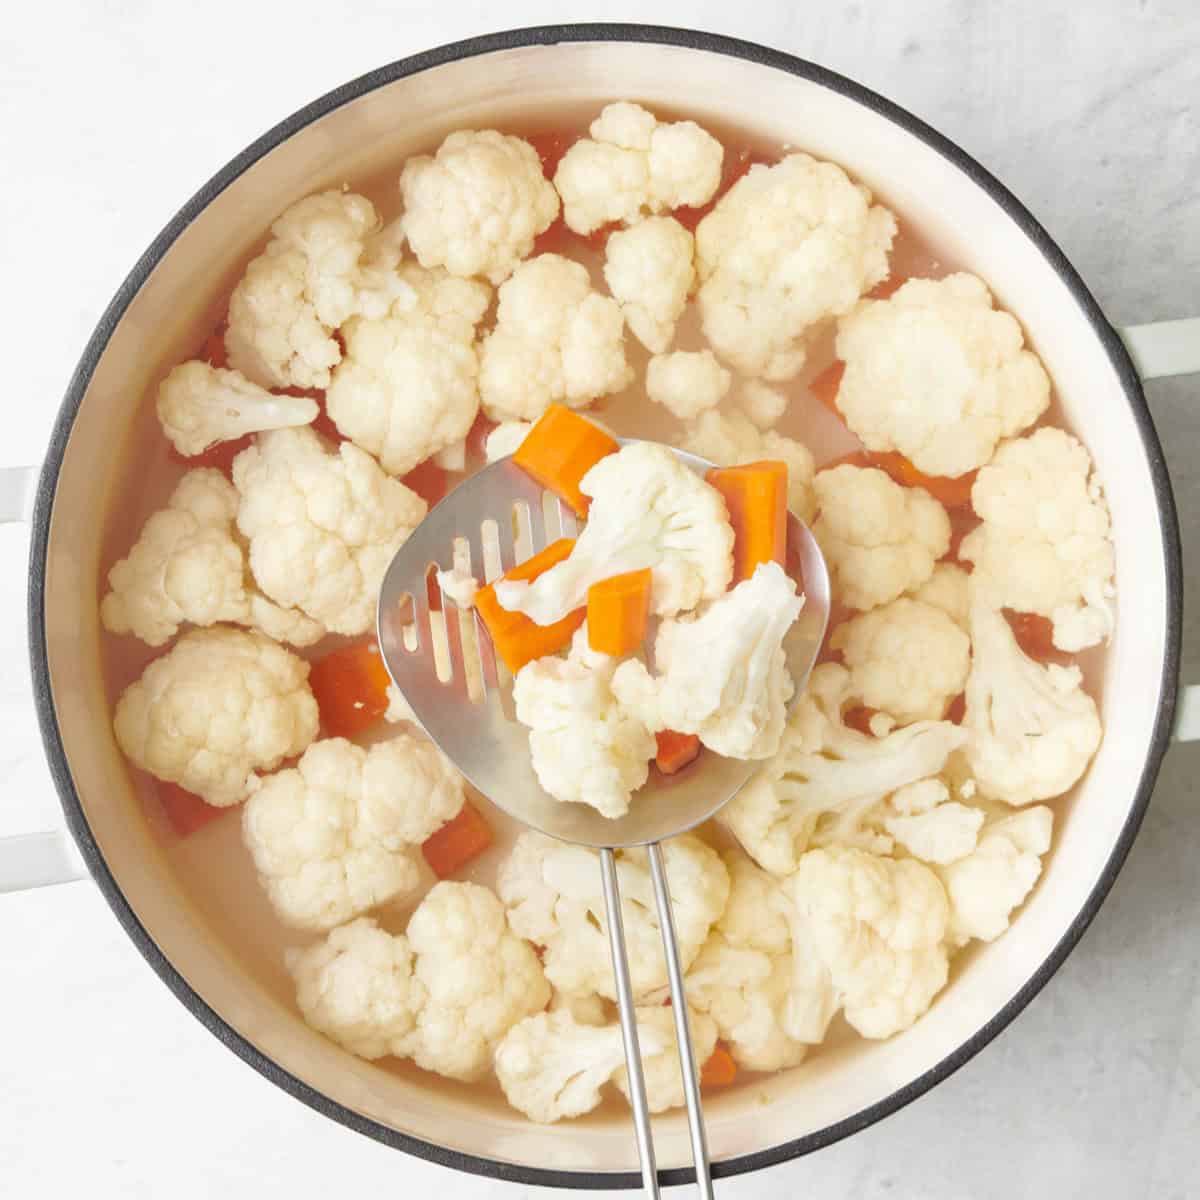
(956, 709)
(720, 1070)
(756, 496)
(351, 686)
(460, 840)
(516, 638)
(954, 491)
(617, 612)
(186, 811)
(825, 386)
(1035, 636)
(428, 480)
(673, 751)
(560, 450)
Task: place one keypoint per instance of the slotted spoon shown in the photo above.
(461, 695)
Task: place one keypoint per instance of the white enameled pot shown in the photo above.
(159, 315)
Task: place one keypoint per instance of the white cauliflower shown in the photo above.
(322, 526)
(648, 268)
(476, 206)
(948, 588)
(879, 539)
(942, 835)
(199, 405)
(584, 747)
(1045, 544)
(660, 1055)
(905, 657)
(459, 586)
(327, 261)
(480, 979)
(555, 339)
(730, 440)
(1032, 729)
(763, 404)
(786, 248)
(333, 836)
(505, 438)
(632, 164)
(220, 705)
(687, 382)
(935, 373)
(648, 510)
(878, 927)
(188, 567)
(555, 898)
(356, 986)
(827, 778)
(986, 886)
(407, 388)
(723, 675)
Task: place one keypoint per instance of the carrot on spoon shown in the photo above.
(756, 496)
(674, 751)
(560, 450)
(618, 610)
(461, 839)
(351, 686)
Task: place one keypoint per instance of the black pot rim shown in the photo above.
(549, 35)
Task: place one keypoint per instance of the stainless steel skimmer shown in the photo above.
(443, 663)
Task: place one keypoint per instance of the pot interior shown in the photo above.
(179, 304)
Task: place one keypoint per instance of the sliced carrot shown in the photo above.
(673, 751)
(720, 1070)
(825, 386)
(617, 612)
(428, 480)
(954, 491)
(560, 450)
(956, 709)
(887, 287)
(1035, 636)
(460, 840)
(351, 686)
(186, 811)
(516, 638)
(756, 496)
(859, 718)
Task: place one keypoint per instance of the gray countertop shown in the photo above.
(110, 115)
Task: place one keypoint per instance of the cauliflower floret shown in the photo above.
(827, 777)
(322, 527)
(722, 676)
(786, 248)
(326, 262)
(633, 164)
(878, 926)
(480, 979)
(187, 566)
(906, 657)
(920, 797)
(1032, 729)
(935, 373)
(1045, 545)
(763, 404)
(586, 1010)
(687, 382)
(199, 404)
(477, 205)
(505, 438)
(948, 588)
(356, 986)
(407, 386)
(660, 1055)
(555, 899)
(333, 836)
(985, 887)
(648, 510)
(585, 749)
(555, 340)
(943, 835)
(879, 539)
(648, 268)
(220, 705)
(459, 586)
(730, 439)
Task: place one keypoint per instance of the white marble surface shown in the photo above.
(112, 113)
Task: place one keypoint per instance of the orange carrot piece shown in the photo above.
(428, 480)
(756, 496)
(617, 612)
(351, 686)
(720, 1070)
(859, 718)
(954, 491)
(956, 709)
(460, 840)
(186, 811)
(1035, 636)
(516, 638)
(560, 450)
(825, 386)
(673, 751)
